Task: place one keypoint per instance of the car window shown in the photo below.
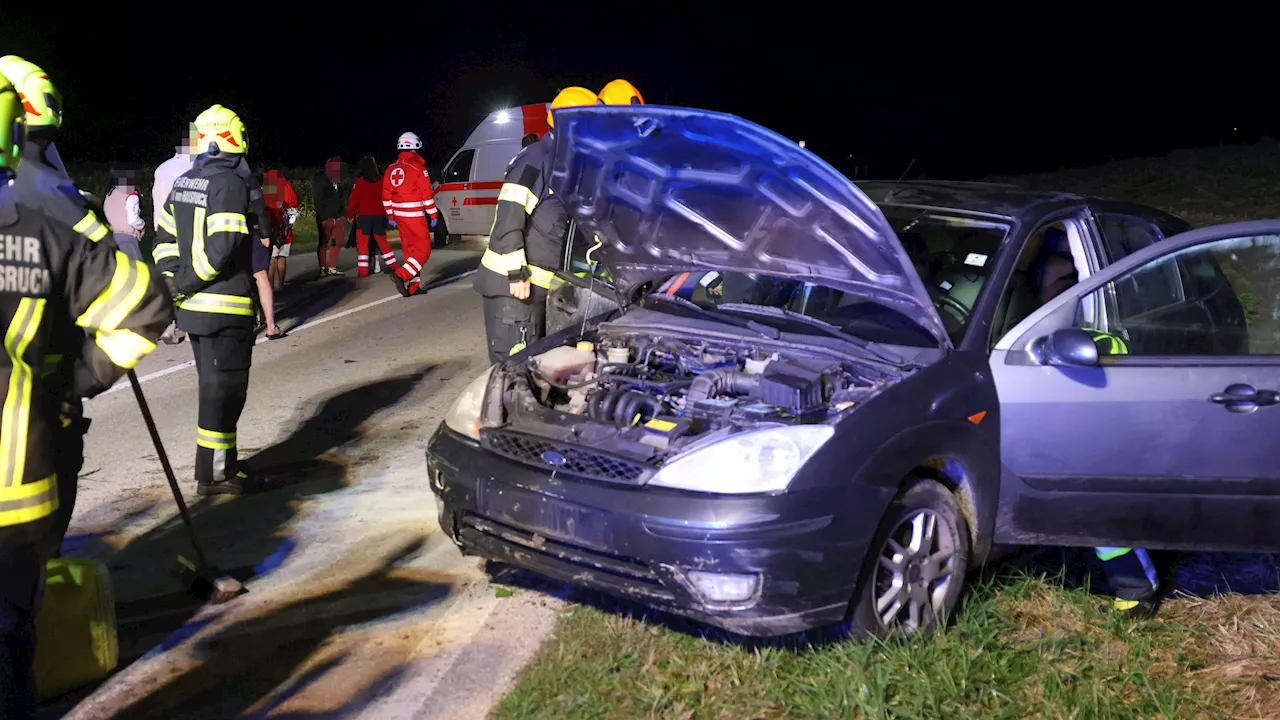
(1051, 261)
(1220, 298)
(1125, 235)
(953, 254)
(848, 312)
(459, 169)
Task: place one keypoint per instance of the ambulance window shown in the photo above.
(459, 169)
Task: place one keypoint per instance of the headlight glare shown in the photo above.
(752, 462)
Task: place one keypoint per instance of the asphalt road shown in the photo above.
(358, 606)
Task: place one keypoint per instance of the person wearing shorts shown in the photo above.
(282, 205)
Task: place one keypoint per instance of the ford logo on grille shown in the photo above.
(551, 457)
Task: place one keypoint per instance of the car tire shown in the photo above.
(925, 591)
(440, 235)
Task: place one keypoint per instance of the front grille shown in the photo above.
(571, 563)
(578, 461)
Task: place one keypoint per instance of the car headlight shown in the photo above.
(464, 416)
(752, 462)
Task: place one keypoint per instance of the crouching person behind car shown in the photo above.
(1130, 571)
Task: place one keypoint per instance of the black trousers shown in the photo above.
(222, 364)
(508, 322)
(68, 443)
(21, 583)
(1130, 572)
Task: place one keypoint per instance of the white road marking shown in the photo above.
(123, 383)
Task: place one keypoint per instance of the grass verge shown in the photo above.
(1022, 646)
(1025, 644)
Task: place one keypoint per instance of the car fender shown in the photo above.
(957, 454)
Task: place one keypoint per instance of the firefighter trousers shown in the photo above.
(21, 586)
(1130, 572)
(511, 324)
(415, 244)
(222, 364)
(68, 443)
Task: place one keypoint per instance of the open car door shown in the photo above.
(1141, 408)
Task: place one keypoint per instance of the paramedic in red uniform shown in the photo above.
(282, 201)
(407, 201)
(364, 210)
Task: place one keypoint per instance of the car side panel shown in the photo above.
(947, 417)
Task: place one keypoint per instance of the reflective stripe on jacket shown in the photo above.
(529, 226)
(406, 189)
(52, 276)
(40, 186)
(203, 243)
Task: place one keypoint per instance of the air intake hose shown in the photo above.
(722, 382)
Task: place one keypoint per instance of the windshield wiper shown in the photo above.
(767, 331)
(826, 327)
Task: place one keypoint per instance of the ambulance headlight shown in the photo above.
(503, 117)
(464, 416)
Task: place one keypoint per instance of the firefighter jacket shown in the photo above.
(203, 244)
(529, 227)
(406, 188)
(49, 273)
(41, 185)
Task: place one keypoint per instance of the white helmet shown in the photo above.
(408, 141)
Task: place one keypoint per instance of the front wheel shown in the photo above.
(440, 236)
(915, 568)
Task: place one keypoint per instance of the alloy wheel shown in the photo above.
(915, 571)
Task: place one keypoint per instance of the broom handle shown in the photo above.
(168, 470)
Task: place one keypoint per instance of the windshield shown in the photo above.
(954, 255)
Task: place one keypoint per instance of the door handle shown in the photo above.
(1242, 398)
(465, 186)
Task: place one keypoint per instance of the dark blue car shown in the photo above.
(776, 399)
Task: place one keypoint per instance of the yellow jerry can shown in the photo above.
(76, 642)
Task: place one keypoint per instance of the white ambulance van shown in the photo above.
(467, 189)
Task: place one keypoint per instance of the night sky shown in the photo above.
(962, 99)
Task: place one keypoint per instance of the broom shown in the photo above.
(202, 580)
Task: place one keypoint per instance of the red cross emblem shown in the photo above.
(455, 201)
(397, 177)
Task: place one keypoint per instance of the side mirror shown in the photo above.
(1071, 347)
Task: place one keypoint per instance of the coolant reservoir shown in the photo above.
(560, 364)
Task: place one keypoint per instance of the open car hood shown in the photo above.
(671, 189)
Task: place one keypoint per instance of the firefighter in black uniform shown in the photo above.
(525, 244)
(42, 185)
(203, 247)
(49, 275)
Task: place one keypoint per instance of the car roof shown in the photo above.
(1009, 201)
(992, 198)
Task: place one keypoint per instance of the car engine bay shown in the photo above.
(647, 396)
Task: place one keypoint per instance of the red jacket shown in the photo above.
(366, 198)
(277, 192)
(406, 188)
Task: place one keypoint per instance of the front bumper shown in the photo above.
(641, 543)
